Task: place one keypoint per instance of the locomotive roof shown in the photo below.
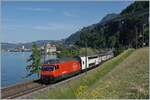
(59, 60)
(102, 54)
(98, 54)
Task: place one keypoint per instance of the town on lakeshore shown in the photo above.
(48, 48)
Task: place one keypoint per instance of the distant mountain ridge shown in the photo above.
(39, 43)
(108, 17)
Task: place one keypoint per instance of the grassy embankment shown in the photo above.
(125, 76)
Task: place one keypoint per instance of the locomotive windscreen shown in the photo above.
(52, 61)
(48, 68)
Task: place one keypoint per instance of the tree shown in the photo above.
(35, 61)
(112, 41)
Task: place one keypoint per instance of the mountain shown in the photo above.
(116, 30)
(108, 17)
(136, 6)
(73, 38)
(8, 45)
(76, 36)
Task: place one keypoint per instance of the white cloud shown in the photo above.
(39, 27)
(69, 14)
(57, 27)
(37, 9)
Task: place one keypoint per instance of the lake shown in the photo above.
(13, 67)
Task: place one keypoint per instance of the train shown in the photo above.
(57, 69)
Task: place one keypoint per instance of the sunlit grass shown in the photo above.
(125, 76)
(128, 80)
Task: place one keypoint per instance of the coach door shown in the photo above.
(83, 63)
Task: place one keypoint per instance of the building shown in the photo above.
(49, 48)
(23, 47)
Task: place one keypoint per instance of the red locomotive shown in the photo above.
(53, 70)
(57, 69)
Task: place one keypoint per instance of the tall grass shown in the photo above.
(127, 80)
(76, 88)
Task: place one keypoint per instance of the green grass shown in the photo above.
(127, 80)
(125, 76)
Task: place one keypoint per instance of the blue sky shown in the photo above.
(30, 21)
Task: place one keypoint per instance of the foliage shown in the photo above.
(90, 51)
(136, 6)
(34, 60)
(76, 52)
(68, 53)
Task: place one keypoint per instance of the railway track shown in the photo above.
(21, 89)
(63, 81)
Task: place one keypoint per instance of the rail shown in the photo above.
(22, 89)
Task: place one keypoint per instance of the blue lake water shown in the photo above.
(13, 67)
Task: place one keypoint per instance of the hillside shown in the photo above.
(125, 76)
(136, 6)
(73, 38)
(114, 31)
(108, 17)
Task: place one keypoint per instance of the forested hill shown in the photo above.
(117, 32)
(76, 36)
(136, 6)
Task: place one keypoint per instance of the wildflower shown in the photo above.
(79, 91)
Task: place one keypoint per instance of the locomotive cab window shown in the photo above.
(48, 68)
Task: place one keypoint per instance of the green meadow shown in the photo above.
(125, 76)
